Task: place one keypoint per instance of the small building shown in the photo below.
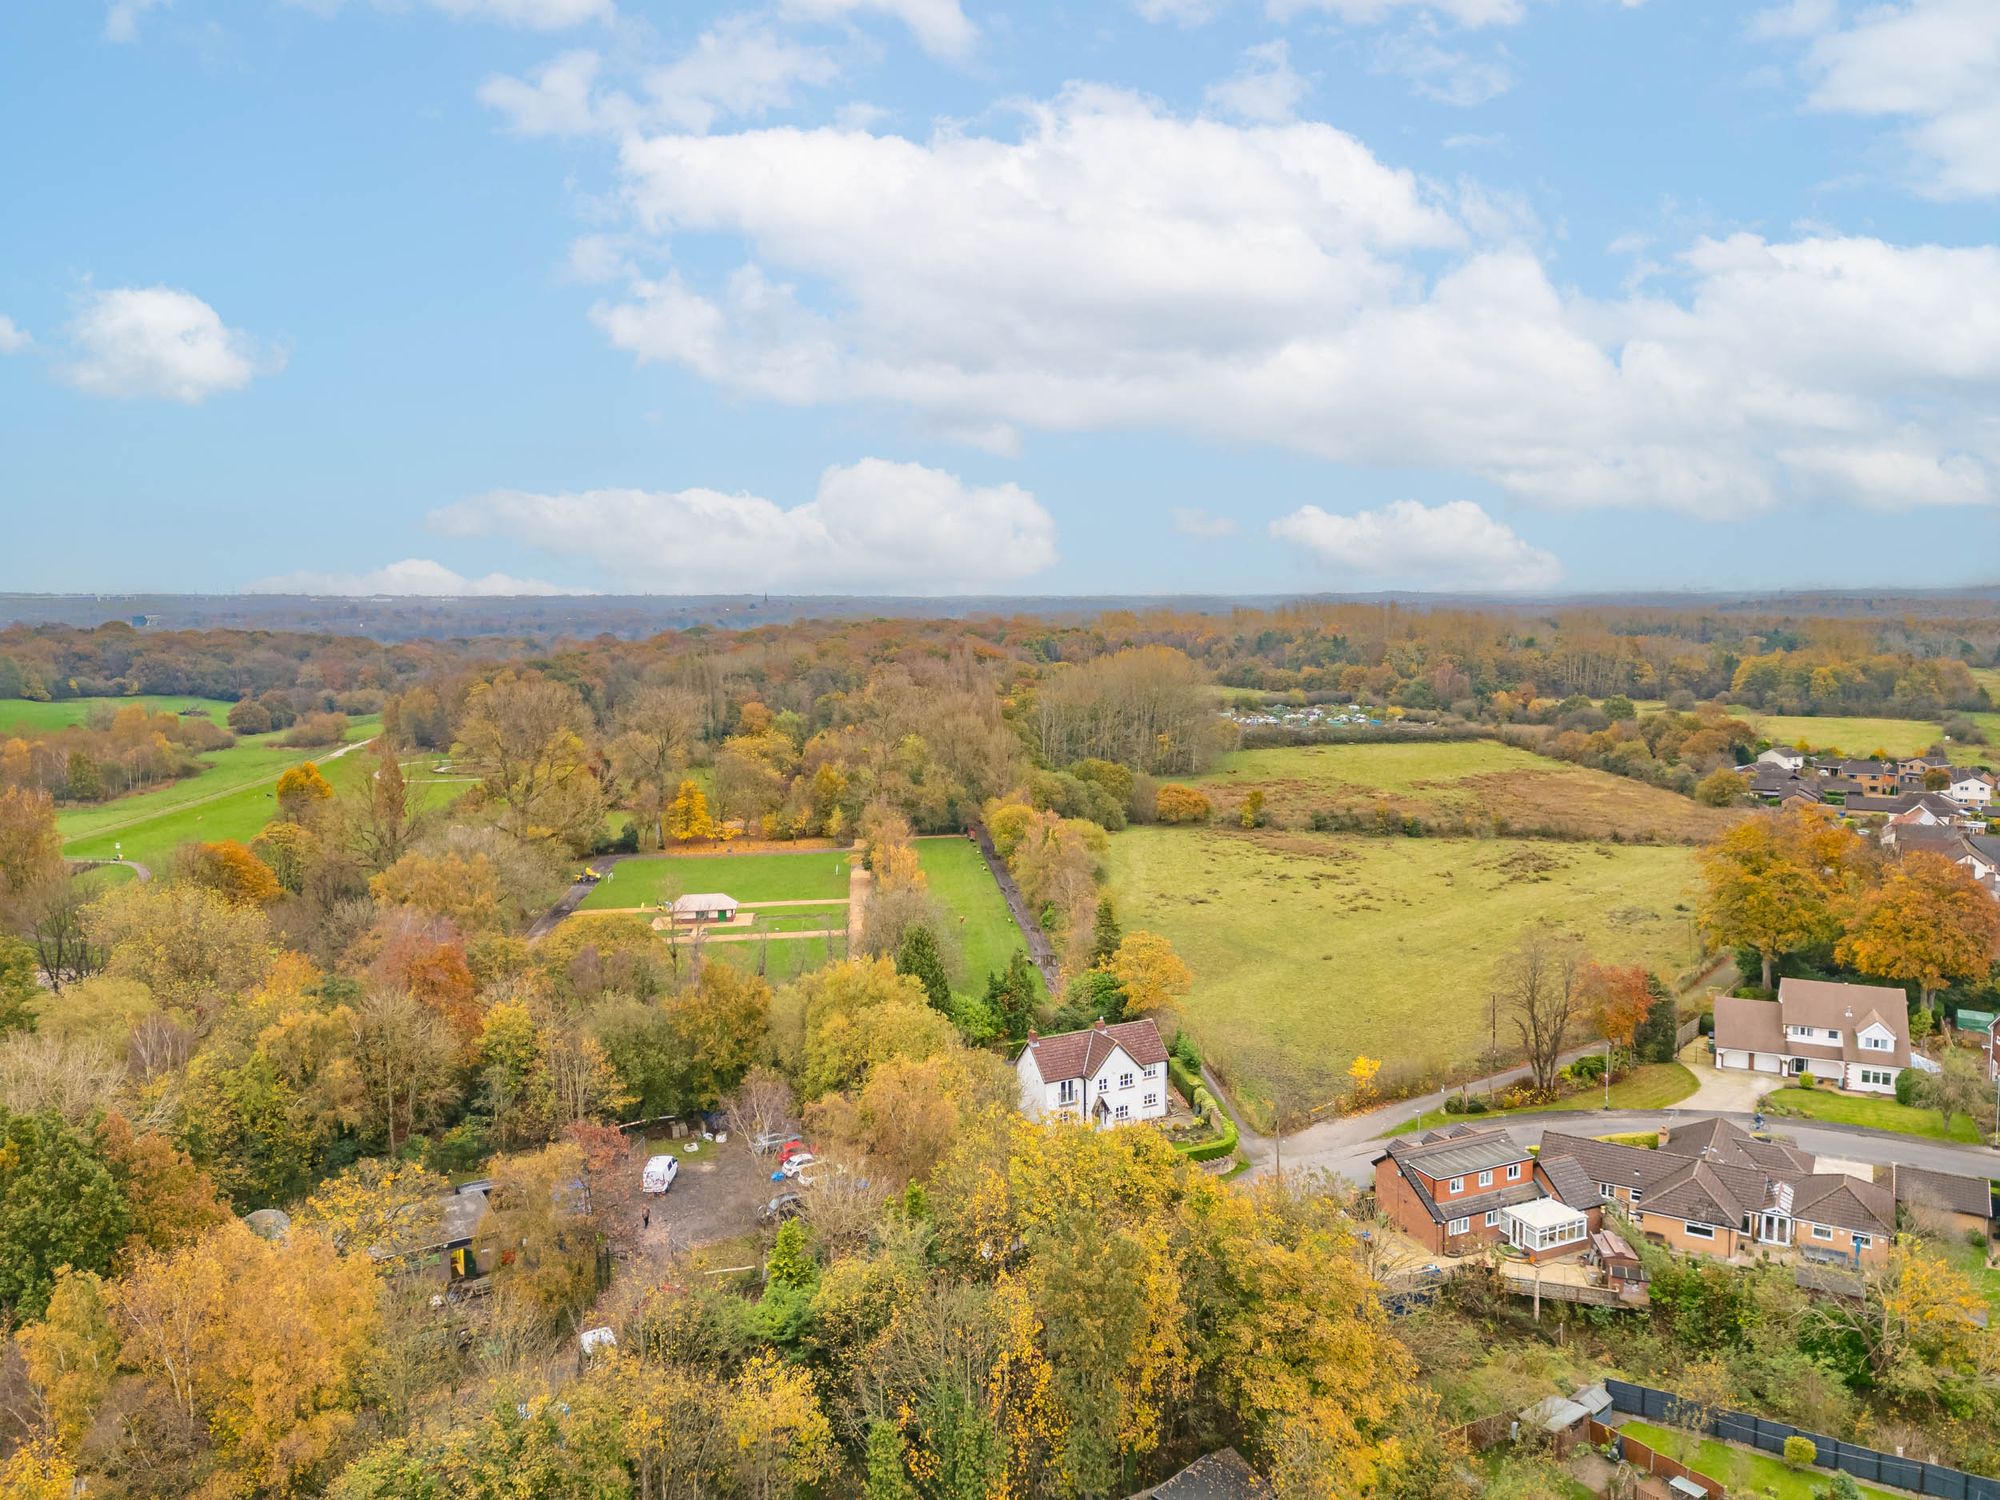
(1221, 1475)
(705, 906)
(1545, 1228)
(1855, 1036)
(1110, 1075)
(1785, 756)
(1943, 1201)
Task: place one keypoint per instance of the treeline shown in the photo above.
(117, 751)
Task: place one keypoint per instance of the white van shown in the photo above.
(660, 1173)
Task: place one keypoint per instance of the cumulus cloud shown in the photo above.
(1199, 523)
(940, 26)
(1109, 265)
(413, 575)
(13, 337)
(1266, 88)
(1405, 544)
(1932, 63)
(161, 343)
(528, 15)
(872, 526)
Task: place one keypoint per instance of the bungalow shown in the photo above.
(1114, 1075)
(1711, 1188)
(1977, 853)
(1460, 1189)
(1785, 756)
(1943, 1201)
(705, 906)
(1856, 1036)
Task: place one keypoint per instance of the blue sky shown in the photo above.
(928, 296)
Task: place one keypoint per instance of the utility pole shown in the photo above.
(1607, 1072)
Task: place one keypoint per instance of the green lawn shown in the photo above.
(1308, 949)
(22, 713)
(987, 936)
(818, 874)
(1465, 779)
(782, 958)
(1744, 1470)
(1654, 1086)
(1852, 737)
(1861, 1109)
(233, 800)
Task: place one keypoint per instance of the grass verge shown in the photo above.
(1653, 1086)
(1876, 1114)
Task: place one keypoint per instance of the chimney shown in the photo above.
(1032, 1038)
(1100, 1023)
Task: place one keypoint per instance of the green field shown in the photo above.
(1468, 779)
(1851, 737)
(987, 936)
(1876, 1114)
(1744, 1470)
(232, 800)
(1308, 949)
(21, 713)
(1654, 1086)
(819, 874)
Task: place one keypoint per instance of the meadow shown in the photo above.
(817, 875)
(987, 936)
(1310, 949)
(1851, 737)
(23, 713)
(1464, 779)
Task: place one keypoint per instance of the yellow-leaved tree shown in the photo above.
(1928, 923)
(1152, 974)
(1776, 882)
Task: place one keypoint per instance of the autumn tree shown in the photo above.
(71, 1355)
(386, 822)
(1619, 999)
(190, 946)
(30, 850)
(406, 1057)
(1181, 804)
(1927, 923)
(59, 1206)
(463, 887)
(377, 1203)
(528, 734)
(657, 728)
(539, 1224)
(1541, 987)
(303, 793)
(687, 820)
(173, 1201)
(1150, 972)
(1775, 883)
(232, 871)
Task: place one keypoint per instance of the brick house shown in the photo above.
(1463, 1188)
(1943, 1201)
(1712, 1188)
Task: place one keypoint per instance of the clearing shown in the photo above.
(987, 936)
(24, 713)
(1308, 949)
(1467, 779)
(818, 875)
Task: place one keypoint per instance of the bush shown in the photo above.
(1223, 1145)
(1806, 1080)
(1800, 1452)
(1175, 803)
(1185, 1081)
(1474, 1105)
(1907, 1083)
(1587, 1069)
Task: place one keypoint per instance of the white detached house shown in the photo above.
(1109, 1075)
(1855, 1036)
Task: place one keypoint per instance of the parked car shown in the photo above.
(797, 1163)
(660, 1173)
(792, 1148)
(784, 1206)
(764, 1142)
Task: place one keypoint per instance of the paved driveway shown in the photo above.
(1733, 1091)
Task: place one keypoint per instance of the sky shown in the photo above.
(998, 296)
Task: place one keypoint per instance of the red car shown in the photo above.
(791, 1149)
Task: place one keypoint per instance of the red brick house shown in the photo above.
(1460, 1189)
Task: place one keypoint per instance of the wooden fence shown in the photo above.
(1650, 1460)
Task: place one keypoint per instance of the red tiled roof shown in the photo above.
(1079, 1054)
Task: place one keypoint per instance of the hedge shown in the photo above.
(1185, 1082)
(1222, 1145)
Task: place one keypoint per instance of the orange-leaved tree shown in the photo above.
(1928, 923)
(1777, 882)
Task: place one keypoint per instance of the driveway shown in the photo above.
(1721, 1091)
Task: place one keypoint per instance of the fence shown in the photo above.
(1644, 1456)
(1865, 1464)
(1687, 1032)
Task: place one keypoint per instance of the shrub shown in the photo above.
(1186, 1081)
(1474, 1105)
(1806, 1080)
(1223, 1145)
(1800, 1452)
(1181, 804)
(1907, 1083)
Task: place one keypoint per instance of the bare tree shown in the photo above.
(761, 1104)
(1541, 985)
(70, 1077)
(55, 926)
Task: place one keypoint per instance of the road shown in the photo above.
(571, 898)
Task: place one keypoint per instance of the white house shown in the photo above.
(1970, 789)
(1110, 1075)
(1783, 755)
(1854, 1036)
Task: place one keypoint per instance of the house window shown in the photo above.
(1458, 1226)
(1492, 1217)
(1822, 1232)
(1152, 1070)
(1632, 1197)
(1456, 1185)
(1700, 1232)
(1514, 1172)
(1152, 1101)
(1862, 1242)
(1123, 1112)
(1875, 1043)
(1103, 1084)
(1486, 1179)
(1124, 1080)
(1066, 1091)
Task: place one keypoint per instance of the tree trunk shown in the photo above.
(1770, 962)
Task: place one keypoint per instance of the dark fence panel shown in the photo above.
(1865, 1464)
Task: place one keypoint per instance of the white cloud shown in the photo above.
(1405, 544)
(871, 526)
(940, 26)
(1200, 524)
(121, 21)
(13, 337)
(1364, 12)
(1112, 266)
(528, 15)
(1448, 75)
(161, 343)
(413, 575)
(1932, 63)
(1180, 12)
(1265, 89)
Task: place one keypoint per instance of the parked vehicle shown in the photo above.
(660, 1173)
(796, 1163)
(784, 1206)
(792, 1148)
(767, 1141)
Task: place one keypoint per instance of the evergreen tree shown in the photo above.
(917, 956)
(1109, 934)
(1654, 1041)
(1011, 995)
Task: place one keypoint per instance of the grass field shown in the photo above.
(1744, 1470)
(1654, 1086)
(1877, 1114)
(232, 800)
(818, 875)
(1463, 779)
(1309, 948)
(1853, 737)
(987, 935)
(21, 713)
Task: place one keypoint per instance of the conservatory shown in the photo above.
(1545, 1227)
